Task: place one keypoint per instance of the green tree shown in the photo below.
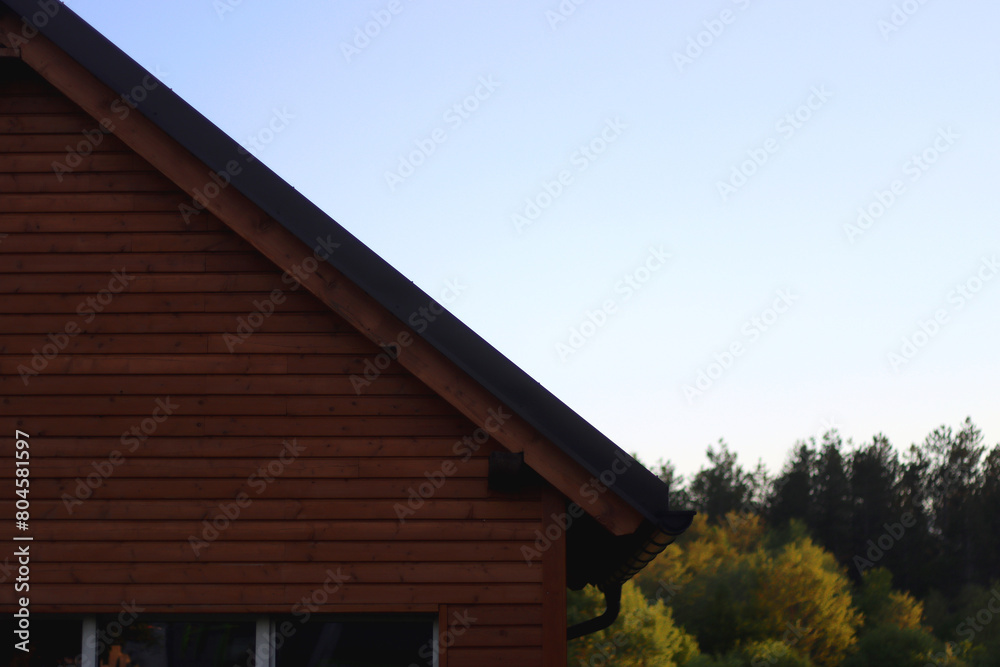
(791, 496)
(890, 645)
(724, 486)
(644, 634)
(831, 513)
(874, 479)
(954, 478)
(880, 605)
(987, 514)
(735, 588)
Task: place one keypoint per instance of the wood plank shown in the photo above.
(26, 83)
(136, 262)
(222, 242)
(502, 636)
(179, 424)
(210, 323)
(143, 221)
(43, 163)
(159, 385)
(119, 344)
(252, 531)
(46, 123)
(240, 608)
(67, 143)
(421, 467)
(284, 510)
(27, 406)
(123, 465)
(51, 243)
(93, 201)
(153, 595)
(85, 182)
(237, 262)
(123, 489)
(197, 364)
(76, 572)
(55, 283)
(54, 143)
(104, 242)
(250, 446)
(124, 301)
(507, 615)
(283, 552)
(36, 104)
(476, 656)
(102, 262)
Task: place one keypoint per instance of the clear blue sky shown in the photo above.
(697, 168)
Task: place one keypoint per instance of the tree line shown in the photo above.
(850, 555)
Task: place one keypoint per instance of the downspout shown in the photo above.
(613, 604)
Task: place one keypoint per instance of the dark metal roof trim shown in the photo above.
(515, 388)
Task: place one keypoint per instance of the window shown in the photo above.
(147, 640)
(373, 642)
(171, 643)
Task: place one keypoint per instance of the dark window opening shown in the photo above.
(51, 642)
(353, 642)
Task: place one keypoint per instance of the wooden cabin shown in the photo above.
(235, 435)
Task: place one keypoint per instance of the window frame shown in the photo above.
(264, 635)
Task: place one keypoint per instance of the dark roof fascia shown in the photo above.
(505, 380)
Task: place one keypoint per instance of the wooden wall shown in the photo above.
(332, 508)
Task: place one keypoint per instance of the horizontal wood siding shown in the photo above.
(122, 494)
